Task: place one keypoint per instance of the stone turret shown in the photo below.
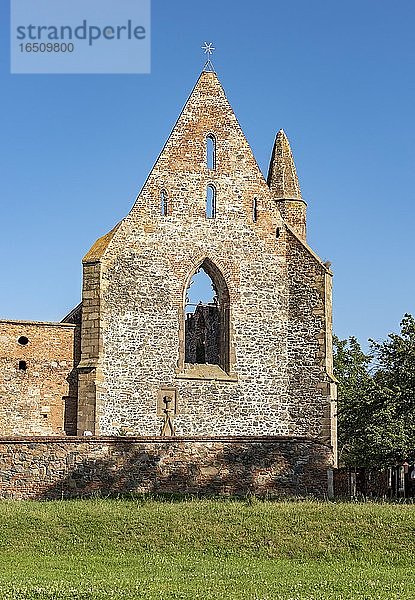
(284, 186)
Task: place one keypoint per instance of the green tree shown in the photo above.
(377, 399)
(396, 365)
(354, 387)
(395, 375)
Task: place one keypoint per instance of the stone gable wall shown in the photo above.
(275, 289)
(142, 327)
(147, 267)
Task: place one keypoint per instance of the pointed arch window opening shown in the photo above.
(210, 202)
(164, 203)
(201, 291)
(211, 152)
(206, 318)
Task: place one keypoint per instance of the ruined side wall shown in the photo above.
(78, 467)
(33, 400)
(310, 366)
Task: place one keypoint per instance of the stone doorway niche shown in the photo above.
(206, 317)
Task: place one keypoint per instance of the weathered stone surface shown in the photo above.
(272, 289)
(75, 467)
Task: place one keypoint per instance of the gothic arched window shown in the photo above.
(206, 315)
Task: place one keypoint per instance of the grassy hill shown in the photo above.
(205, 549)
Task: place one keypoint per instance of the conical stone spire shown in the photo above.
(282, 175)
(284, 186)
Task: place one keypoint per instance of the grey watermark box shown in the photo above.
(80, 36)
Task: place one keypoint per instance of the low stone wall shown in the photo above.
(51, 467)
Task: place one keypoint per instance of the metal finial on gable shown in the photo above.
(208, 49)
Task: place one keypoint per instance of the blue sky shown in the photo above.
(337, 76)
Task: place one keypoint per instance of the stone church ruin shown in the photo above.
(232, 395)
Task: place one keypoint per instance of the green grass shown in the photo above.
(205, 549)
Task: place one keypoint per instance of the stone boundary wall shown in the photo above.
(73, 467)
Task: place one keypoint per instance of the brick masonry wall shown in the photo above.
(41, 468)
(33, 401)
(294, 213)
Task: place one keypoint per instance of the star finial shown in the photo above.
(208, 49)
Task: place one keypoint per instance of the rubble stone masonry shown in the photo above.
(274, 376)
(47, 468)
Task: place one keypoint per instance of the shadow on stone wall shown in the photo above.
(263, 469)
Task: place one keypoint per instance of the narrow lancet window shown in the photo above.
(210, 152)
(210, 202)
(163, 204)
(255, 210)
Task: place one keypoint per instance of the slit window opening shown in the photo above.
(255, 210)
(163, 204)
(210, 152)
(22, 365)
(210, 202)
